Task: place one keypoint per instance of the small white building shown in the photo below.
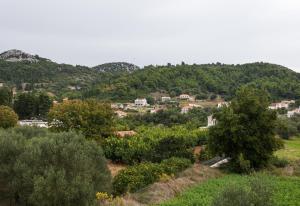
(140, 102)
(293, 112)
(33, 123)
(165, 99)
(223, 104)
(1, 84)
(211, 121)
(184, 96)
(283, 104)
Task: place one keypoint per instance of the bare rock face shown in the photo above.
(15, 55)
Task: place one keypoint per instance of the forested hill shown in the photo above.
(201, 80)
(31, 72)
(124, 81)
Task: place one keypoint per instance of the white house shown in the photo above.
(165, 99)
(211, 121)
(282, 104)
(293, 112)
(1, 84)
(223, 104)
(140, 102)
(184, 96)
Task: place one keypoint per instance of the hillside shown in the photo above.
(31, 72)
(124, 81)
(202, 80)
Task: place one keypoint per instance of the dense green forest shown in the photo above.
(123, 81)
(201, 80)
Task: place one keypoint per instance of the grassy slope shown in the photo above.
(287, 191)
(291, 150)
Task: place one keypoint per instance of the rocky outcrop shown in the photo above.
(15, 55)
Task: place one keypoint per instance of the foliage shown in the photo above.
(286, 190)
(195, 118)
(6, 96)
(29, 105)
(287, 127)
(117, 82)
(8, 118)
(291, 150)
(141, 175)
(92, 118)
(46, 75)
(258, 193)
(212, 79)
(279, 162)
(245, 131)
(54, 169)
(153, 144)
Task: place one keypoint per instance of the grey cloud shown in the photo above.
(143, 32)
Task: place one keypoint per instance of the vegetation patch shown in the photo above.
(291, 149)
(286, 190)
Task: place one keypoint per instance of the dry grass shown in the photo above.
(115, 168)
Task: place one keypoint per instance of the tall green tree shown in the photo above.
(6, 96)
(43, 105)
(245, 130)
(92, 118)
(25, 105)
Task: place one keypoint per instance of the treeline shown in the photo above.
(203, 81)
(26, 105)
(200, 80)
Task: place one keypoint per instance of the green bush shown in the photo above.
(278, 162)
(154, 145)
(52, 169)
(175, 165)
(257, 192)
(139, 176)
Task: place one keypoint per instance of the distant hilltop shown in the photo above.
(15, 55)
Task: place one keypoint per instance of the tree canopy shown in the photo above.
(92, 118)
(51, 169)
(8, 118)
(245, 130)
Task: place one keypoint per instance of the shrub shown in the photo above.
(257, 192)
(53, 169)
(8, 118)
(139, 176)
(168, 147)
(136, 177)
(175, 165)
(153, 145)
(278, 162)
(205, 154)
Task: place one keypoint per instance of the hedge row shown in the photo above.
(141, 175)
(154, 145)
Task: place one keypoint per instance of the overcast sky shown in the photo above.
(143, 32)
